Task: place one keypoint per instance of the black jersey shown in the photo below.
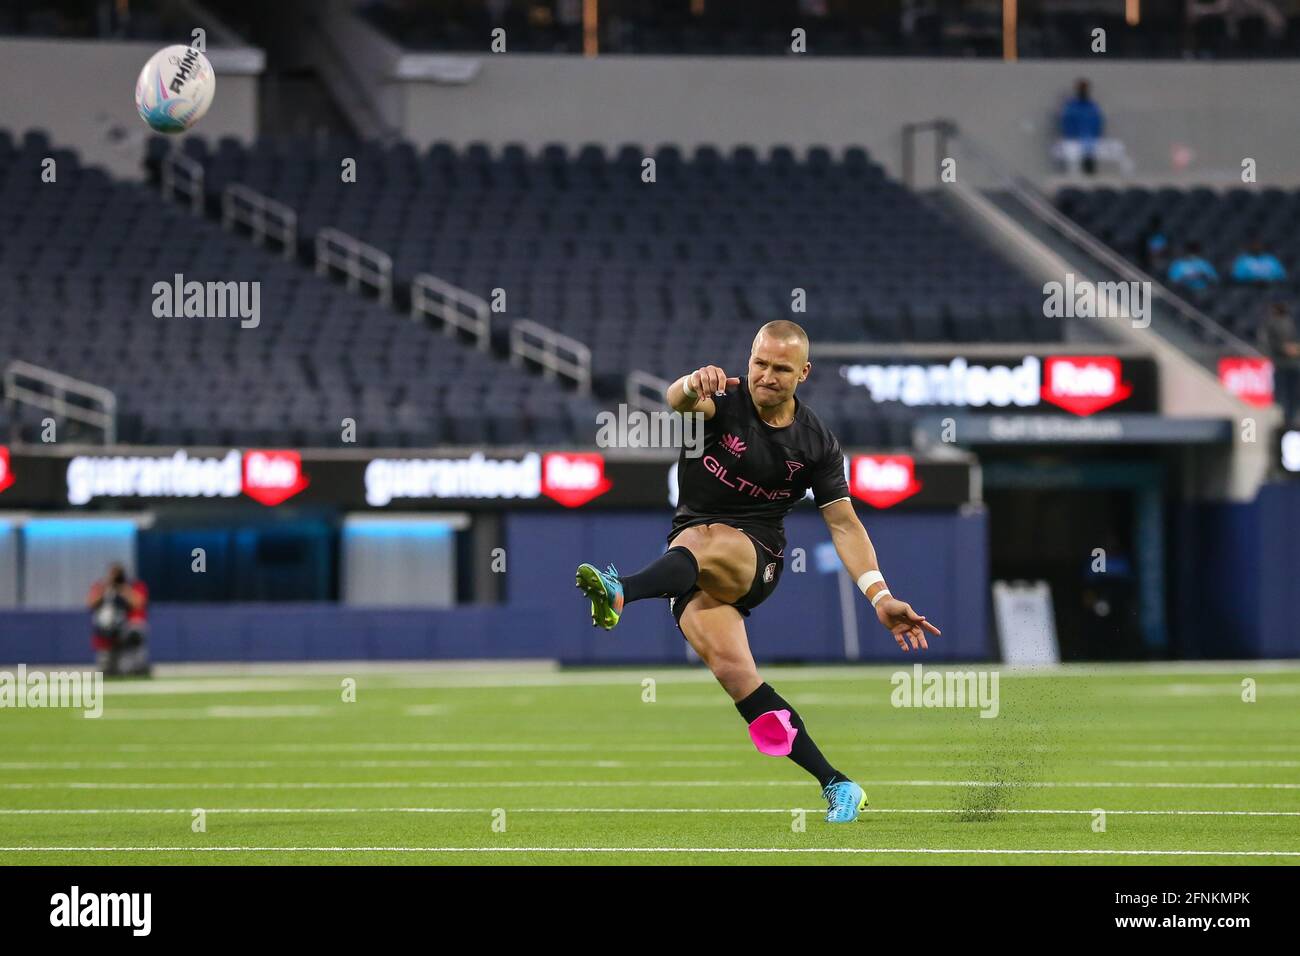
(751, 473)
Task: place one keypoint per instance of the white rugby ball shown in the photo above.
(175, 89)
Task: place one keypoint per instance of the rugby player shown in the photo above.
(763, 449)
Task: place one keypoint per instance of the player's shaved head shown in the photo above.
(783, 330)
(778, 362)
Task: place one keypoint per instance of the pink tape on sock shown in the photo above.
(773, 734)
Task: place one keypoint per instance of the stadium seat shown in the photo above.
(78, 299)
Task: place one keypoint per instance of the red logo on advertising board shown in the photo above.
(1250, 379)
(273, 476)
(882, 481)
(6, 472)
(573, 479)
(1084, 384)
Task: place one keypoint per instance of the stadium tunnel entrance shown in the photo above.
(1094, 530)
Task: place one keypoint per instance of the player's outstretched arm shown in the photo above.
(856, 551)
(694, 391)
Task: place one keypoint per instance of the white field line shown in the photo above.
(409, 668)
(331, 668)
(319, 764)
(646, 810)
(163, 687)
(246, 712)
(1200, 763)
(635, 849)
(553, 747)
(609, 764)
(192, 670)
(1200, 690)
(592, 784)
(232, 680)
(597, 763)
(232, 711)
(427, 710)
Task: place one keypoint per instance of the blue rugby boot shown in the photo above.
(606, 594)
(845, 801)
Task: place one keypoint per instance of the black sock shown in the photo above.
(805, 753)
(675, 571)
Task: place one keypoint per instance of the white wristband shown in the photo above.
(869, 578)
(687, 390)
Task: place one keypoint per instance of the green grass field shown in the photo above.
(530, 764)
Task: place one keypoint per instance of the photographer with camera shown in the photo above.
(119, 624)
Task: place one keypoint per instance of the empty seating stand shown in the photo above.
(78, 263)
(657, 276)
(648, 274)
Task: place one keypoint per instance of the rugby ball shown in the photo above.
(175, 89)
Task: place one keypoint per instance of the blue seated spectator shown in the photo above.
(1254, 266)
(1082, 118)
(1153, 247)
(1191, 270)
(1083, 139)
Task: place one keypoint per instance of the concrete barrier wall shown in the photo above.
(936, 561)
(1238, 575)
(1221, 112)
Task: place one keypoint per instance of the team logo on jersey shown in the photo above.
(734, 445)
(793, 466)
(718, 470)
(769, 572)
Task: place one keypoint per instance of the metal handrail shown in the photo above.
(181, 174)
(62, 386)
(535, 342)
(645, 391)
(263, 216)
(360, 262)
(456, 307)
